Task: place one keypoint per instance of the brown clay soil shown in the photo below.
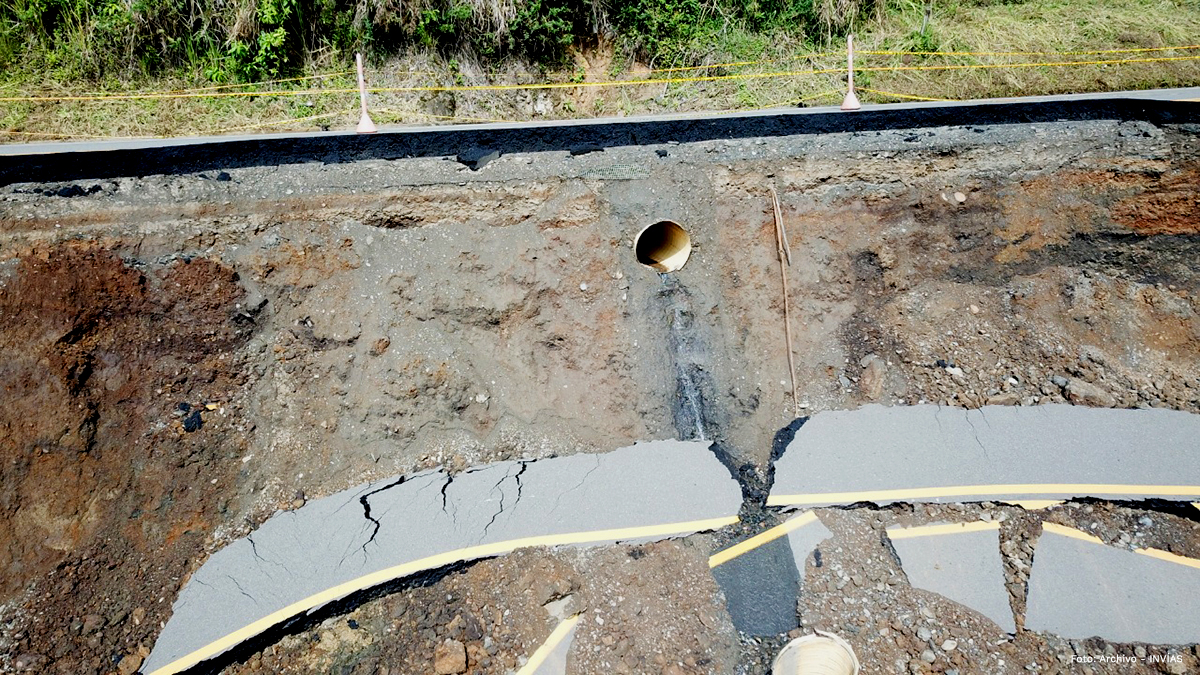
(182, 356)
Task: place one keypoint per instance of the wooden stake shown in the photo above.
(785, 260)
(365, 125)
(851, 100)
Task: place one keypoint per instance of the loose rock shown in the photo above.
(450, 658)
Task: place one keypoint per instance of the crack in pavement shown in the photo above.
(254, 551)
(985, 419)
(365, 500)
(558, 500)
(242, 590)
(446, 486)
(415, 510)
(508, 474)
(520, 486)
(975, 433)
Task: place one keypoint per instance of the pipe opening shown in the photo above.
(663, 246)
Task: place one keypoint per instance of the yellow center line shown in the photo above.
(1071, 532)
(1150, 552)
(561, 631)
(761, 538)
(1034, 504)
(440, 560)
(1169, 557)
(943, 528)
(995, 491)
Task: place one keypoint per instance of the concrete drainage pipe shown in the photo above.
(663, 246)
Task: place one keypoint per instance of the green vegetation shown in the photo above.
(62, 47)
(248, 40)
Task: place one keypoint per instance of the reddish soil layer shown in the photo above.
(110, 489)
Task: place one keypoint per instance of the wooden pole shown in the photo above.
(785, 259)
(365, 125)
(851, 100)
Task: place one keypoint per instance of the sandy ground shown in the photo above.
(183, 355)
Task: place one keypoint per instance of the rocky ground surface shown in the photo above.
(859, 591)
(648, 608)
(183, 355)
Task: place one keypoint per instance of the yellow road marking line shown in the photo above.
(1196, 504)
(1072, 533)
(558, 635)
(1169, 557)
(982, 491)
(761, 538)
(1151, 552)
(1034, 504)
(440, 560)
(944, 528)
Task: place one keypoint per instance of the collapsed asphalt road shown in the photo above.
(323, 551)
(300, 560)
(186, 354)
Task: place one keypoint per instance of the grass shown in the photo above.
(1050, 26)
(972, 26)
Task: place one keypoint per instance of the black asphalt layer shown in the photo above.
(54, 162)
(761, 587)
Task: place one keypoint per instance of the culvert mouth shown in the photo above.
(663, 246)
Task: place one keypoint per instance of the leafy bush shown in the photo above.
(679, 32)
(245, 40)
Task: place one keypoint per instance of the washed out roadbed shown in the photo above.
(184, 354)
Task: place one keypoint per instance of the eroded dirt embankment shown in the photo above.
(183, 355)
(112, 479)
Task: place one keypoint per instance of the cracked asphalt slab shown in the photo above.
(1080, 587)
(302, 559)
(1003, 453)
(961, 562)
(760, 589)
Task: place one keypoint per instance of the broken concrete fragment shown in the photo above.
(1080, 587)
(477, 158)
(942, 454)
(760, 576)
(959, 561)
(760, 589)
(873, 375)
(331, 547)
(551, 657)
(803, 541)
